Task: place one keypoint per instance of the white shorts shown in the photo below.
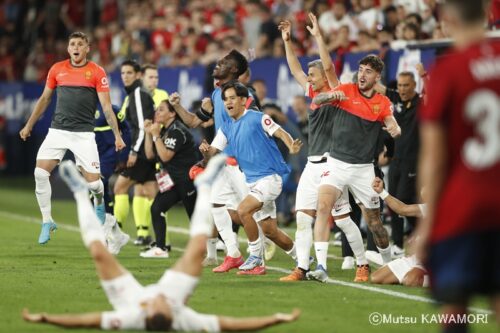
(81, 144)
(307, 191)
(266, 190)
(229, 188)
(357, 178)
(401, 266)
(125, 291)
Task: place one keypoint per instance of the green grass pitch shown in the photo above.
(60, 278)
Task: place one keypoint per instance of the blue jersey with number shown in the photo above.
(256, 151)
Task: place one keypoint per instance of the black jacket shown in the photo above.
(140, 107)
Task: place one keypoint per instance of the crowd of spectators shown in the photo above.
(184, 32)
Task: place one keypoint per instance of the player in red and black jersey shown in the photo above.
(460, 165)
(79, 83)
(360, 115)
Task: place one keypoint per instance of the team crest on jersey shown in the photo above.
(97, 114)
(376, 108)
(88, 75)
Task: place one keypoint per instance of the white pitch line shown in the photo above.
(185, 231)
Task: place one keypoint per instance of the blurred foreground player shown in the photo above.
(160, 306)
(460, 166)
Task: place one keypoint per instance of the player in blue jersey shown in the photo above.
(110, 159)
(231, 189)
(261, 162)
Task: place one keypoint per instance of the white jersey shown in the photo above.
(127, 296)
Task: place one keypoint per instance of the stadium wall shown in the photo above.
(193, 83)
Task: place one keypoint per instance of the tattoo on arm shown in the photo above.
(322, 98)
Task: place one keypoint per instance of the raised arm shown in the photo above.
(293, 62)
(231, 324)
(105, 101)
(40, 107)
(395, 204)
(89, 320)
(190, 119)
(326, 60)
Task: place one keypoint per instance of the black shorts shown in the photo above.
(465, 265)
(143, 171)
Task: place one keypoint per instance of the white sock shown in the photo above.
(293, 253)
(354, 238)
(321, 249)
(212, 247)
(303, 239)
(224, 225)
(256, 247)
(43, 192)
(201, 220)
(90, 226)
(97, 190)
(386, 254)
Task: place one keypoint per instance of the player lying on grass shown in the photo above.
(408, 270)
(160, 306)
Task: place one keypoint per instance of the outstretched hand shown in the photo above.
(286, 30)
(295, 147)
(288, 317)
(33, 317)
(314, 29)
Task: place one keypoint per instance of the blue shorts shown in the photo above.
(465, 265)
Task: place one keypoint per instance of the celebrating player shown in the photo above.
(249, 138)
(160, 306)
(79, 83)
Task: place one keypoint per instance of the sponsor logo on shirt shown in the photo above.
(170, 143)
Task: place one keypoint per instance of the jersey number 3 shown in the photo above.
(483, 109)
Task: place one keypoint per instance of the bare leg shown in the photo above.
(456, 310)
(246, 209)
(278, 236)
(380, 235)
(384, 275)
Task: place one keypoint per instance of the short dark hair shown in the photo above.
(79, 34)
(240, 89)
(408, 74)
(240, 60)
(132, 63)
(158, 323)
(169, 105)
(470, 11)
(145, 67)
(374, 62)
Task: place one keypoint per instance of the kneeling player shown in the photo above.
(160, 306)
